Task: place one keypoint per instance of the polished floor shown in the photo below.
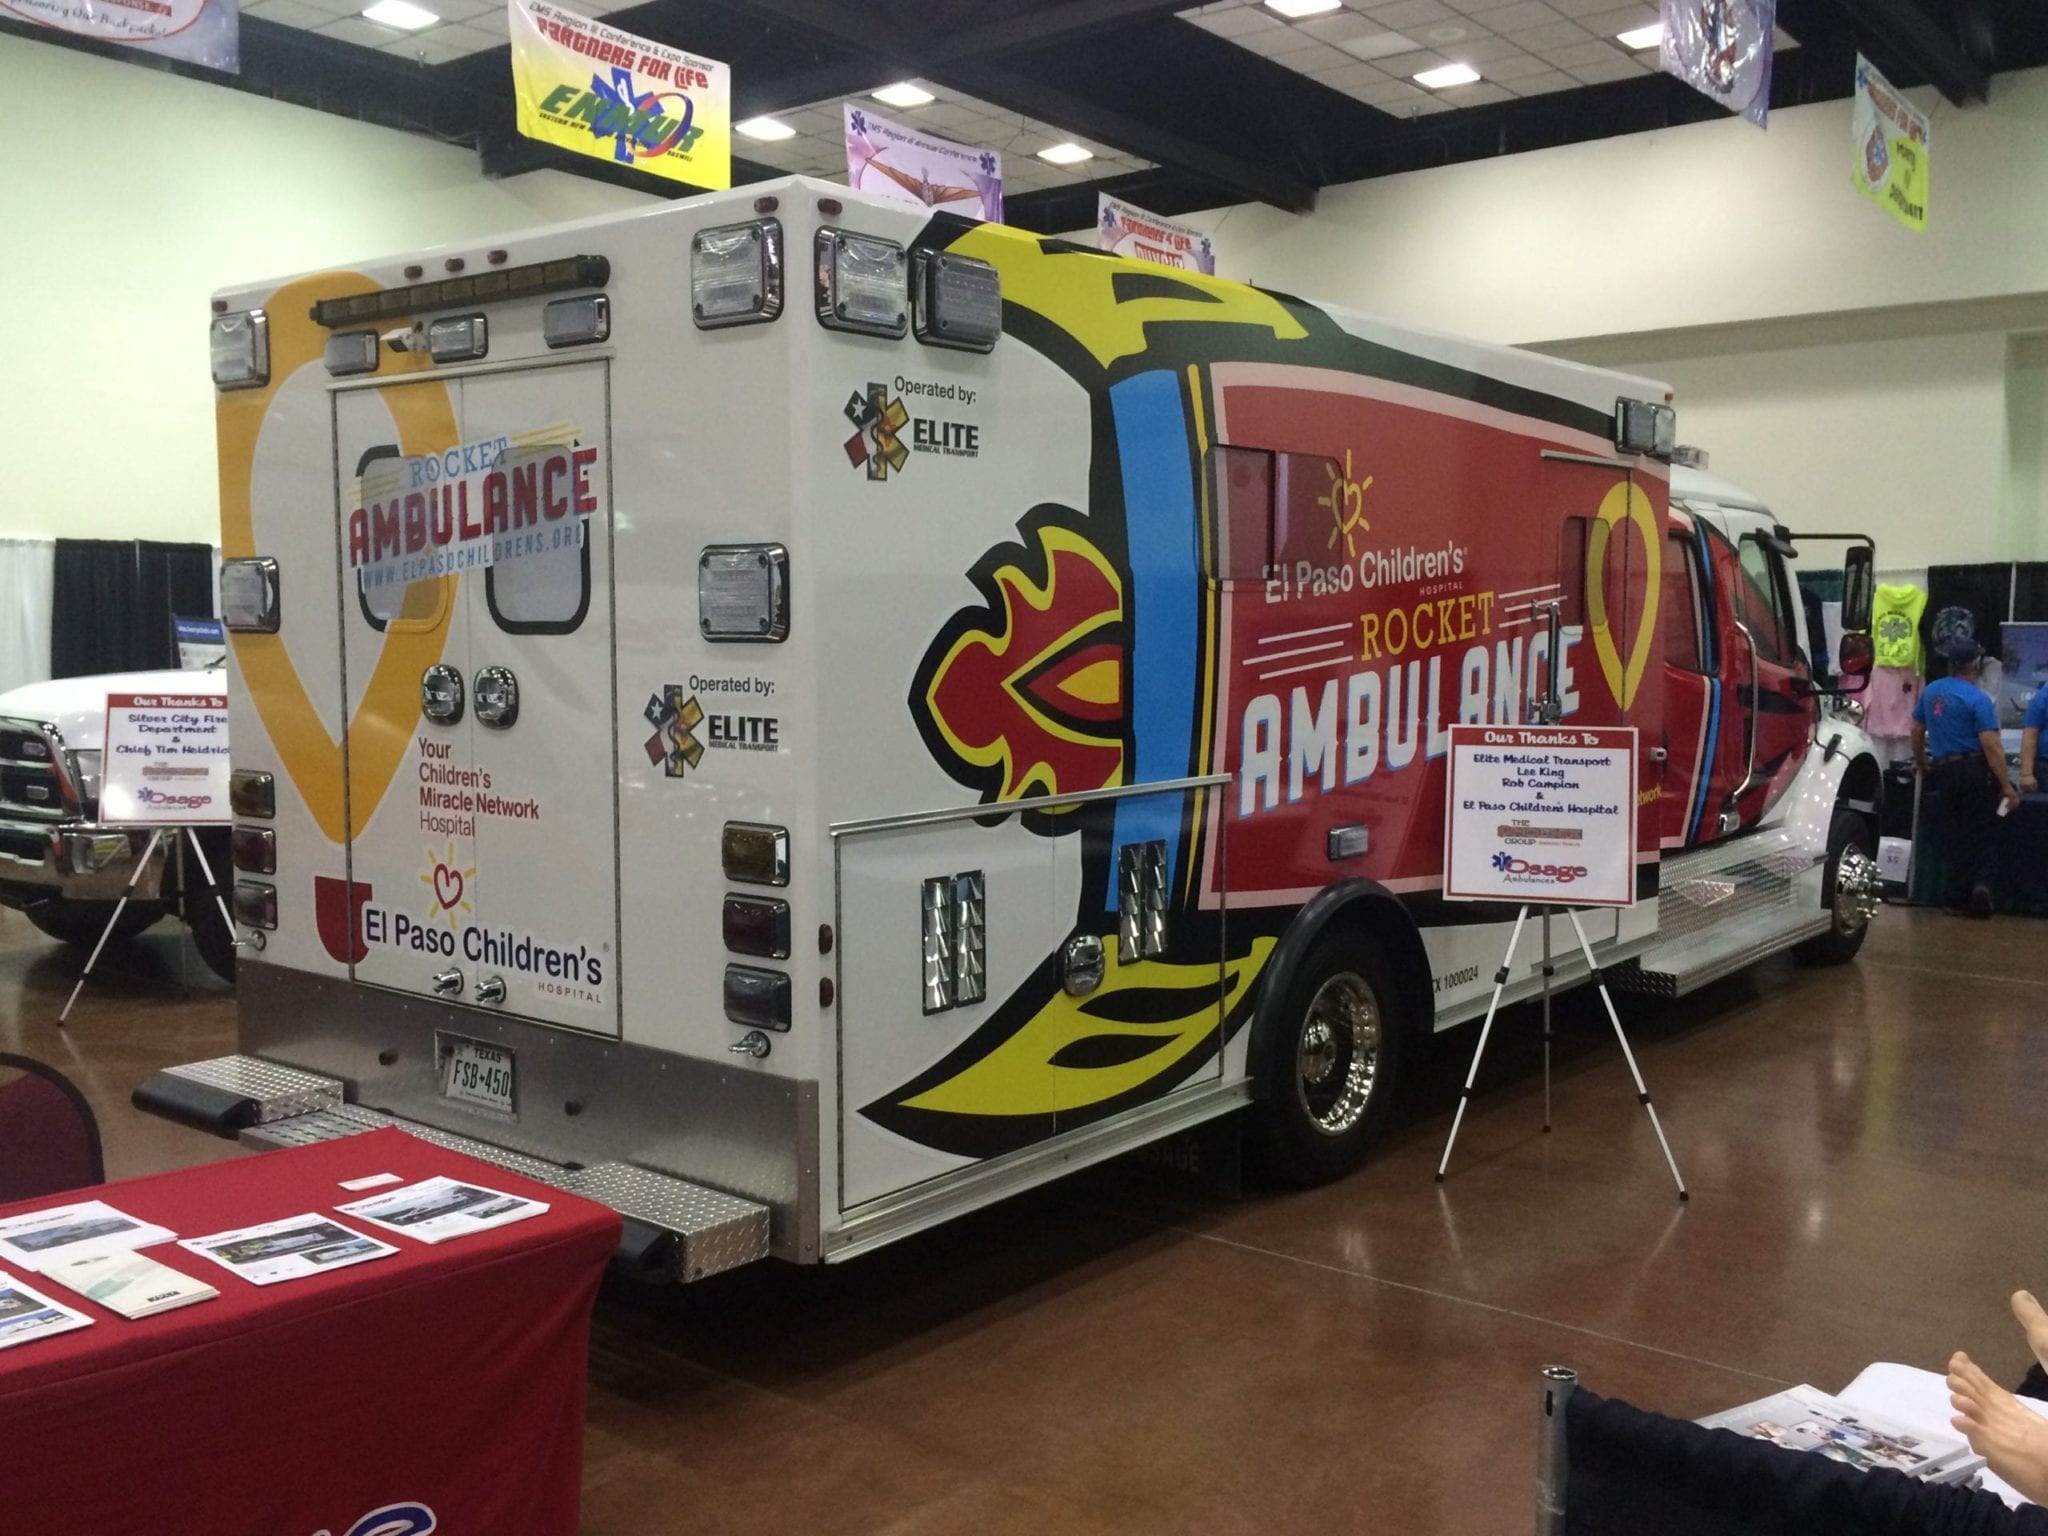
(1126, 1352)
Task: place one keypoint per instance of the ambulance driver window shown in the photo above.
(539, 582)
(1681, 606)
(1761, 602)
(1239, 546)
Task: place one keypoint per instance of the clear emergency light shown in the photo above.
(458, 338)
(254, 850)
(249, 595)
(1645, 426)
(743, 592)
(757, 999)
(863, 284)
(351, 352)
(955, 301)
(255, 904)
(576, 322)
(736, 274)
(240, 344)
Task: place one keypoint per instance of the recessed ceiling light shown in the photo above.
(1294, 10)
(1638, 38)
(400, 13)
(1446, 75)
(1066, 154)
(766, 129)
(904, 94)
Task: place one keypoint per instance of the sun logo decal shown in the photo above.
(1025, 695)
(448, 883)
(1345, 502)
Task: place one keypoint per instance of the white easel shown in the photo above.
(181, 836)
(1549, 711)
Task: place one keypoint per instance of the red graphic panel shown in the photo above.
(338, 913)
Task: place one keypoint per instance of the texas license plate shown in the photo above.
(476, 1074)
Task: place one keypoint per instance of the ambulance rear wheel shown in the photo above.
(80, 923)
(1329, 1060)
(1849, 889)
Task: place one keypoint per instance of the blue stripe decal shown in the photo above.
(1710, 744)
(1161, 606)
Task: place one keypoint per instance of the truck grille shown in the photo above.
(29, 786)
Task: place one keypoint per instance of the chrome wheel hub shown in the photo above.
(1337, 1058)
(1857, 889)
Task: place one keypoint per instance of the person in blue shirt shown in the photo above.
(1957, 751)
(2031, 727)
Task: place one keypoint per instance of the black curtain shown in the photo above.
(2030, 599)
(1986, 590)
(113, 600)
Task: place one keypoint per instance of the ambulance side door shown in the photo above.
(1767, 714)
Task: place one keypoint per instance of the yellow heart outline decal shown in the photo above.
(1625, 502)
(376, 736)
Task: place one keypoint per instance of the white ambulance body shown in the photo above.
(721, 728)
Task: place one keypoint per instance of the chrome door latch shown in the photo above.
(448, 983)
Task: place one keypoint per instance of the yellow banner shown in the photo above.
(590, 88)
(1893, 148)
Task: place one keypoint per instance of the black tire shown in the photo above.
(81, 923)
(1313, 1121)
(212, 935)
(1848, 929)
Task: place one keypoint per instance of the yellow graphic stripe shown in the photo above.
(1211, 599)
(382, 726)
(1625, 502)
(1020, 1077)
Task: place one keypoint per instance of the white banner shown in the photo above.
(205, 32)
(1123, 229)
(1543, 815)
(910, 166)
(166, 760)
(1723, 49)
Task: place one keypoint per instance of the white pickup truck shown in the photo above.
(59, 866)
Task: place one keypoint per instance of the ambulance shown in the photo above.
(799, 716)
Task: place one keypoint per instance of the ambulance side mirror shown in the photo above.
(1859, 590)
(1859, 653)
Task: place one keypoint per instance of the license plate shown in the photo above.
(476, 1074)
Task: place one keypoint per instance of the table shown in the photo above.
(2022, 838)
(448, 1377)
(1919, 1400)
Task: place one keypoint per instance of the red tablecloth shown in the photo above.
(448, 1377)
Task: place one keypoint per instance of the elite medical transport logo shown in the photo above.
(674, 747)
(878, 419)
(683, 729)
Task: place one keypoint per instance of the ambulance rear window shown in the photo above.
(1269, 509)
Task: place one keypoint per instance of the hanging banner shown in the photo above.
(1723, 49)
(1894, 146)
(590, 88)
(901, 163)
(1125, 230)
(207, 32)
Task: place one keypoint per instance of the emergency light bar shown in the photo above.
(862, 285)
(496, 287)
(1645, 426)
(249, 595)
(240, 345)
(736, 274)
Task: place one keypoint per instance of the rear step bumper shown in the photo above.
(674, 1229)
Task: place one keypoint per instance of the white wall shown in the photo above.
(114, 252)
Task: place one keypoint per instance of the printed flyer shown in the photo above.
(1542, 815)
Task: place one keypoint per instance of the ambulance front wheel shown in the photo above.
(1850, 890)
(1330, 1057)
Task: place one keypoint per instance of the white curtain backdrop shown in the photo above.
(27, 578)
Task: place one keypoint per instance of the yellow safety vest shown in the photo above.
(1895, 625)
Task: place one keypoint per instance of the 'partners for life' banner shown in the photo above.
(1894, 146)
(207, 32)
(588, 87)
(1126, 230)
(1723, 49)
(910, 166)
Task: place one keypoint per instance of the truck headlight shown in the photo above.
(249, 595)
(862, 284)
(736, 274)
(85, 773)
(240, 344)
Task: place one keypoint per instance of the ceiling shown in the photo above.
(1183, 106)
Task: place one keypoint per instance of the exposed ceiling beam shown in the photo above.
(1921, 42)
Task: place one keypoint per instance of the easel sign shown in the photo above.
(166, 760)
(1541, 815)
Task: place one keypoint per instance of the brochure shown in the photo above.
(1807, 1419)
(290, 1249)
(437, 1209)
(28, 1314)
(35, 1240)
(129, 1283)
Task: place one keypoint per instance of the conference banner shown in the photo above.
(590, 88)
(1894, 147)
(1723, 49)
(1126, 230)
(204, 32)
(901, 163)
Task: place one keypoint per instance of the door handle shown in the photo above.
(448, 983)
(490, 989)
(1660, 754)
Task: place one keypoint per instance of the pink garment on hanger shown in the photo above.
(1888, 702)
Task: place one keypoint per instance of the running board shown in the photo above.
(1685, 965)
(674, 1229)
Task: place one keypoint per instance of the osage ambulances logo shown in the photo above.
(394, 1520)
(1520, 871)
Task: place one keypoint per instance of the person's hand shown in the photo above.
(2011, 797)
(2011, 1438)
(2033, 1321)
(2028, 784)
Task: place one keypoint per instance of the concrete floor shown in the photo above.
(1123, 1353)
